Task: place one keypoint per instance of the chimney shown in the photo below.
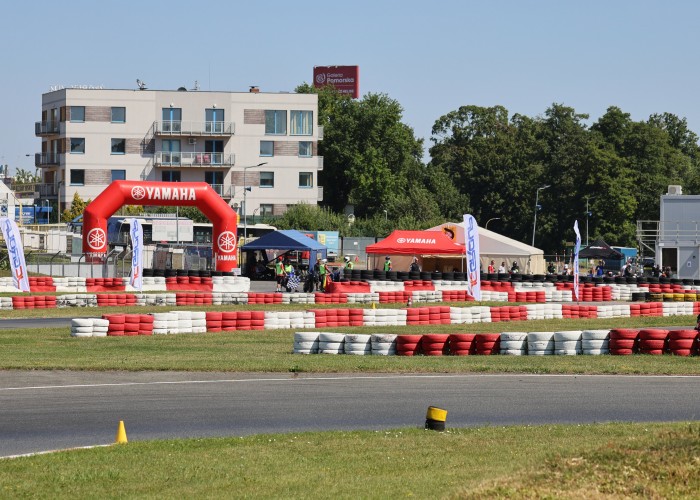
(254, 89)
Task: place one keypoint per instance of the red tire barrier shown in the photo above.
(460, 344)
(408, 345)
(652, 341)
(434, 344)
(486, 343)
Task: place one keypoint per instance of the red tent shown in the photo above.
(417, 243)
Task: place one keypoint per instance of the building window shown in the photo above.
(276, 122)
(301, 122)
(118, 115)
(214, 120)
(77, 113)
(77, 177)
(265, 209)
(267, 148)
(77, 145)
(118, 146)
(172, 120)
(267, 179)
(306, 179)
(118, 175)
(170, 176)
(305, 149)
(214, 178)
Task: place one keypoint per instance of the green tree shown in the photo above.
(25, 177)
(77, 207)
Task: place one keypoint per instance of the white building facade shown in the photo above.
(267, 142)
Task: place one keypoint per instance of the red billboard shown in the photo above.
(345, 79)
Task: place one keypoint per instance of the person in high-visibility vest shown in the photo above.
(279, 274)
(387, 263)
(323, 271)
(348, 264)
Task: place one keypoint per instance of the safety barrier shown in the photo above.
(562, 343)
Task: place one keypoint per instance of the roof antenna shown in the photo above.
(196, 85)
(142, 85)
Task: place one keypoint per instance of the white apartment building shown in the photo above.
(267, 142)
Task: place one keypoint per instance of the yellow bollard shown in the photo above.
(374, 306)
(435, 418)
(121, 434)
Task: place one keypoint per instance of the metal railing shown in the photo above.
(46, 128)
(48, 159)
(43, 189)
(172, 159)
(187, 128)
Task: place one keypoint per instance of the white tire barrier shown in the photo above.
(358, 344)
(383, 344)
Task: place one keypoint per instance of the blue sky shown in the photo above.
(432, 57)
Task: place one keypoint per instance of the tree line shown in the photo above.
(490, 163)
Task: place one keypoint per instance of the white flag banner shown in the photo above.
(576, 250)
(15, 253)
(137, 255)
(471, 242)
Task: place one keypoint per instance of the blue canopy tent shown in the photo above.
(287, 240)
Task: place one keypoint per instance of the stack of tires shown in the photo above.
(514, 343)
(331, 343)
(595, 342)
(540, 343)
(408, 345)
(567, 343)
(652, 341)
(622, 341)
(434, 344)
(682, 342)
(486, 344)
(358, 344)
(306, 342)
(384, 344)
(461, 344)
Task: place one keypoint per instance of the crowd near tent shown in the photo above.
(493, 246)
(282, 241)
(402, 246)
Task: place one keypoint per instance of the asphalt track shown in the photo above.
(42, 411)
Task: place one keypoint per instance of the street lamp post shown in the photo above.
(245, 205)
(486, 226)
(537, 207)
(386, 215)
(588, 214)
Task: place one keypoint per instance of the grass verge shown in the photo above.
(270, 351)
(583, 461)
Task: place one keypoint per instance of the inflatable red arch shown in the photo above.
(198, 194)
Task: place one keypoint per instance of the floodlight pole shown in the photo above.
(537, 200)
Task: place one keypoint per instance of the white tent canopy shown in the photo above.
(499, 248)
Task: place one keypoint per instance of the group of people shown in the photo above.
(514, 269)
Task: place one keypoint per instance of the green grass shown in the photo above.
(270, 351)
(582, 461)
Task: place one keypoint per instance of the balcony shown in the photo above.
(44, 160)
(226, 192)
(33, 190)
(208, 160)
(320, 194)
(192, 129)
(320, 163)
(320, 133)
(46, 128)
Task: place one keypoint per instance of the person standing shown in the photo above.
(279, 274)
(322, 274)
(492, 268)
(502, 268)
(348, 264)
(387, 263)
(415, 268)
